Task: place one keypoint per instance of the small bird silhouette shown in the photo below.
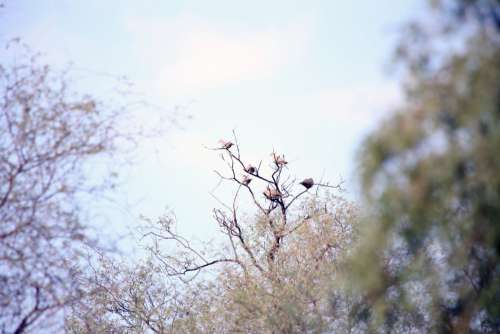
(307, 183)
(246, 180)
(250, 169)
(226, 145)
(272, 194)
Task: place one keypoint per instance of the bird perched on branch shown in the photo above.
(272, 194)
(225, 145)
(246, 180)
(278, 159)
(250, 169)
(307, 183)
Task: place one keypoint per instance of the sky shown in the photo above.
(304, 78)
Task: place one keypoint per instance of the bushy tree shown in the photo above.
(431, 179)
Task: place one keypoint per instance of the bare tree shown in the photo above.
(278, 257)
(274, 203)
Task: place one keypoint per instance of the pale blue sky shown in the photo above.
(303, 77)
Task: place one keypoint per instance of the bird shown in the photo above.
(225, 145)
(246, 180)
(278, 159)
(307, 183)
(250, 169)
(272, 194)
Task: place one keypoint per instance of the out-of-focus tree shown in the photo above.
(269, 277)
(429, 256)
(48, 134)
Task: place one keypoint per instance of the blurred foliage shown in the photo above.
(53, 143)
(47, 133)
(431, 180)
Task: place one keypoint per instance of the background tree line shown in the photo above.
(418, 253)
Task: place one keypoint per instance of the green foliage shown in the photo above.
(431, 178)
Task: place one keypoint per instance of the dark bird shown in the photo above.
(246, 180)
(307, 183)
(250, 169)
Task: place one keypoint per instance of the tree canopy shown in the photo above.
(431, 181)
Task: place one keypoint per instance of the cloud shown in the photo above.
(190, 55)
(358, 106)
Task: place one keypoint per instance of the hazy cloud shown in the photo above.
(190, 55)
